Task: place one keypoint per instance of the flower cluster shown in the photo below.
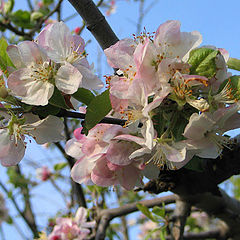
(76, 228)
(177, 100)
(55, 59)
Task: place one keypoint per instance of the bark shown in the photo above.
(95, 22)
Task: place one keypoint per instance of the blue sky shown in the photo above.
(216, 20)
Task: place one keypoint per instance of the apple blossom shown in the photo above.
(43, 173)
(205, 132)
(12, 141)
(62, 47)
(76, 228)
(37, 75)
(104, 157)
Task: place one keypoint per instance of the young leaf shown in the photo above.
(234, 63)
(60, 166)
(5, 60)
(146, 212)
(44, 111)
(22, 19)
(58, 100)
(98, 108)
(159, 211)
(202, 62)
(83, 95)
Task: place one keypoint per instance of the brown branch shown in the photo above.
(106, 215)
(95, 22)
(23, 214)
(212, 234)
(65, 113)
(180, 214)
(77, 188)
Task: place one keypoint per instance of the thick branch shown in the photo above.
(181, 212)
(106, 215)
(212, 234)
(95, 22)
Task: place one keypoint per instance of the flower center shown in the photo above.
(75, 54)
(43, 72)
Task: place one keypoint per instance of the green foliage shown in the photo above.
(98, 108)
(234, 63)
(236, 186)
(146, 212)
(83, 95)
(159, 211)
(16, 179)
(202, 62)
(48, 2)
(5, 60)
(44, 111)
(58, 100)
(22, 19)
(60, 166)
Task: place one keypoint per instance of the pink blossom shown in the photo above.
(43, 173)
(104, 158)
(205, 132)
(77, 30)
(12, 140)
(36, 75)
(72, 228)
(67, 49)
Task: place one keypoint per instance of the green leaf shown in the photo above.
(60, 166)
(18, 180)
(195, 164)
(48, 2)
(234, 63)
(146, 212)
(159, 211)
(83, 95)
(22, 19)
(202, 62)
(5, 60)
(234, 86)
(9, 220)
(44, 111)
(98, 108)
(58, 100)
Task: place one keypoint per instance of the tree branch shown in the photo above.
(65, 113)
(77, 188)
(95, 22)
(180, 214)
(106, 215)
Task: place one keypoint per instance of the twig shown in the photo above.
(30, 5)
(18, 209)
(65, 113)
(77, 187)
(95, 22)
(106, 215)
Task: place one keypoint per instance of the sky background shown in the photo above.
(216, 20)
